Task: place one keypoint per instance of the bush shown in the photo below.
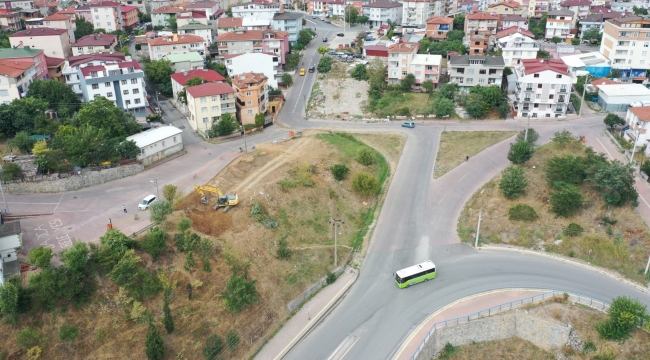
(563, 138)
(324, 65)
(27, 338)
(239, 294)
(232, 339)
(567, 169)
(531, 138)
(11, 171)
(68, 332)
(566, 200)
(183, 224)
(616, 183)
(159, 211)
(588, 347)
(155, 349)
(513, 182)
(522, 212)
(340, 171)
(331, 278)
(365, 184)
(227, 125)
(366, 156)
(359, 72)
(287, 80)
(645, 167)
(573, 230)
(286, 184)
(448, 352)
(138, 47)
(283, 250)
(606, 220)
(169, 192)
(625, 314)
(213, 347)
(612, 119)
(155, 242)
(520, 152)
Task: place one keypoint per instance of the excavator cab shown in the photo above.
(226, 201)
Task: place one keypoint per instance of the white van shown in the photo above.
(146, 202)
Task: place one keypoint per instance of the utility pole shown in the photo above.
(478, 229)
(527, 126)
(582, 101)
(155, 181)
(4, 198)
(633, 147)
(336, 223)
(646, 266)
(245, 146)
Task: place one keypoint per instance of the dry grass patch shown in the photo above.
(514, 348)
(390, 145)
(455, 145)
(622, 247)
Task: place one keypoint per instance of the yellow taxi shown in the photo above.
(302, 72)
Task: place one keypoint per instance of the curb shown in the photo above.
(317, 319)
(575, 262)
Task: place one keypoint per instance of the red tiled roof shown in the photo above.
(376, 48)
(194, 14)
(13, 68)
(513, 30)
(52, 61)
(603, 81)
(127, 8)
(83, 59)
(201, 5)
(440, 20)
(575, 2)
(68, 10)
(532, 66)
(482, 16)
(207, 75)
(510, 4)
(167, 10)
(56, 17)
(210, 89)
(642, 112)
(105, 4)
(250, 35)
(176, 39)
(229, 22)
(39, 32)
(96, 40)
(128, 64)
(244, 80)
(88, 69)
(403, 47)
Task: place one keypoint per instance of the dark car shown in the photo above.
(370, 38)
(340, 34)
(408, 125)
(348, 53)
(333, 52)
(324, 39)
(328, 22)
(312, 69)
(357, 56)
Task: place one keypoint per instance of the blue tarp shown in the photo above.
(600, 71)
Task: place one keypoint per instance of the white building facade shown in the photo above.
(516, 47)
(157, 143)
(543, 88)
(380, 11)
(264, 63)
(120, 82)
(253, 10)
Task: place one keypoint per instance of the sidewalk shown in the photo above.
(463, 307)
(309, 315)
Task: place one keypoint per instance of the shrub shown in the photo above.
(520, 152)
(183, 224)
(159, 211)
(287, 80)
(573, 230)
(169, 192)
(365, 184)
(588, 347)
(566, 200)
(532, 137)
(613, 119)
(168, 320)
(616, 183)
(27, 338)
(68, 332)
(606, 220)
(283, 251)
(513, 182)
(448, 352)
(239, 294)
(567, 169)
(232, 339)
(522, 212)
(213, 346)
(259, 214)
(286, 184)
(625, 314)
(155, 242)
(154, 344)
(404, 111)
(340, 171)
(366, 156)
(331, 278)
(359, 72)
(324, 65)
(563, 138)
(11, 171)
(645, 167)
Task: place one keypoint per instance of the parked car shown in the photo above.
(370, 38)
(408, 125)
(340, 34)
(368, 32)
(328, 22)
(324, 39)
(357, 56)
(312, 69)
(348, 53)
(313, 17)
(146, 202)
(332, 52)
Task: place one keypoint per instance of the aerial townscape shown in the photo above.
(325, 179)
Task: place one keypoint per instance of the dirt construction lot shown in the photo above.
(337, 96)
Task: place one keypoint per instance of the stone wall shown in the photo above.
(87, 178)
(548, 335)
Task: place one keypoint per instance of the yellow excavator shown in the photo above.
(226, 201)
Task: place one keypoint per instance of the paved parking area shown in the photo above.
(335, 40)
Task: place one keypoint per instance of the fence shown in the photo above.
(587, 301)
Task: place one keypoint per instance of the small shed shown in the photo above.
(618, 97)
(157, 143)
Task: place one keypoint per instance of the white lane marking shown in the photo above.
(601, 144)
(59, 203)
(440, 202)
(350, 348)
(462, 177)
(28, 203)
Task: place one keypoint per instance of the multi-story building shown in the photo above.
(425, 67)
(107, 15)
(537, 8)
(58, 21)
(198, 29)
(176, 44)
(416, 12)
(192, 17)
(70, 71)
(543, 88)
(186, 61)
(257, 10)
(514, 30)
(22, 4)
(130, 16)
(27, 54)
(84, 12)
(471, 70)
(121, 82)
(179, 81)
(399, 58)
(506, 8)
(140, 5)
(517, 47)
(95, 43)
(265, 63)
(206, 103)
(210, 8)
(255, 41)
(289, 22)
(54, 42)
(579, 7)
(560, 23)
(638, 119)
(518, 21)
(252, 96)
(478, 42)
(162, 15)
(624, 6)
(15, 78)
(438, 26)
(55, 68)
(226, 24)
(379, 12)
(626, 42)
(9, 20)
(481, 22)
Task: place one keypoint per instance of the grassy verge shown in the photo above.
(455, 145)
(315, 91)
(394, 103)
(575, 100)
(621, 247)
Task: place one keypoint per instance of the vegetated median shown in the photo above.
(564, 199)
(204, 283)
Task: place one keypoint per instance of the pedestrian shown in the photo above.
(466, 158)
(124, 208)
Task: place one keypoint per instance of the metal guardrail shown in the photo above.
(576, 298)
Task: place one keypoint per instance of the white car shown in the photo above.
(146, 202)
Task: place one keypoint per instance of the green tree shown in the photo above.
(194, 81)
(459, 22)
(543, 54)
(9, 302)
(428, 86)
(40, 148)
(531, 137)
(351, 14)
(324, 65)
(407, 82)
(159, 71)
(476, 106)
(520, 152)
(168, 320)
(126, 270)
(616, 183)
(169, 192)
(448, 91)
(613, 119)
(260, 119)
(79, 285)
(563, 138)
(322, 50)
(639, 10)
(183, 224)
(593, 34)
(304, 37)
(455, 35)
(154, 343)
(287, 80)
(360, 72)
(513, 182)
(159, 211)
(340, 171)
(567, 169)
(225, 126)
(11, 171)
(443, 107)
(155, 242)
(575, 41)
(57, 94)
(27, 338)
(365, 184)
(625, 314)
(229, 11)
(366, 156)
(113, 245)
(83, 27)
(172, 24)
(22, 142)
(102, 113)
(213, 347)
(239, 293)
(232, 339)
(40, 257)
(566, 200)
(68, 333)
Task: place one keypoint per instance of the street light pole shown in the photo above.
(245, 146)
(336, 223)
(582, 101)
(527, 126)
(155, 181)
(4, 198)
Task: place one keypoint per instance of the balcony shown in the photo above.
(564, 90)
(529, 89)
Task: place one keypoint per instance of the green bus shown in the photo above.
(415, 274)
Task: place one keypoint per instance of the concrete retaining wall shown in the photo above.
(545, 334)
(161, 155)
(87, 178)
(295, 303)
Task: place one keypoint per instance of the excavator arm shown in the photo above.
(227, 200)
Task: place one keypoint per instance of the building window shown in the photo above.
(558, 76)
(128, 102)
(481, 81)
(125, 92)
(550, 97)
(538, 96)
(214, 99)
(215, 108)
(137, 101)
(93, 74)
(107, 84)
(552, 86)
(536, 75)
(4, 92)
(203, 100)
(123, 82)
(250, 112)
(174, 139)
(134, 81)
(482, 72)
(249, 102)
(95, 86)
(204, 110)
(205, 120)
(110, 94)
(248, 93)
(539, 86)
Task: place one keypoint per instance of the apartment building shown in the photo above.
(517, 21)
(193, 17)
(416, 12)
(186, 61)
(55, 68)
(84, 12)
(198, 29)
(264, 63)
(252, 96)
(206, 104)
(399, 58)
(254, 41)
(107, 15)
(379, 12)
(162, 15)
(15, 78)
(439, 26)
(130, 16)
(95, 43)
(9, 20)
(560, 23)
(626, 42)
(176, 44)
(471, 70)
(119, 81)
(288, 22)
(537, 8)
(179, 81)
(542, 89)
(258, 10)
(226, 24)
(478, 42)
(210, 8)
(53, 42)
(70, 71)
(482, 21)
(597, 21)
(638, 119)
(579, 7)
(517, 47)
(27, 54)
(506, 8)
(58, 21)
